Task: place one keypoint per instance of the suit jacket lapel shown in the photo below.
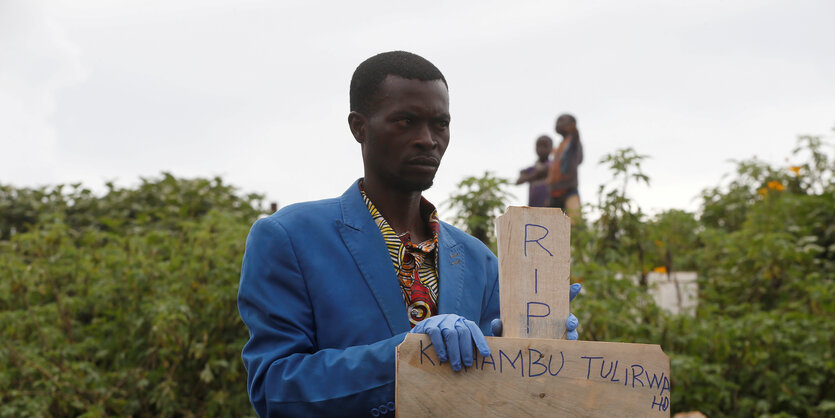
(451, 266)
(364, 240)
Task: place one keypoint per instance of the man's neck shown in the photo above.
(400, 209)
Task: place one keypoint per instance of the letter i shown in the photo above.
(536, 280)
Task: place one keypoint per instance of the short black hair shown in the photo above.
(367, 77)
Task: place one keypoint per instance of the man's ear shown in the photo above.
(357, 121)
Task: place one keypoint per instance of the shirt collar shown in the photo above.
(428, 213)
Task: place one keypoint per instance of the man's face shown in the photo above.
(406, 134)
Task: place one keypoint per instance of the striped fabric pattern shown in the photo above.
(415, 264)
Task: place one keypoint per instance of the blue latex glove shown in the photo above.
(453, 337)
(571, 322)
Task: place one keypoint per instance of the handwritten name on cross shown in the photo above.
(532, 370)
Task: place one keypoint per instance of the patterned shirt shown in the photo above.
(415, 264)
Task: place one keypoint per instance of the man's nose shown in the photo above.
(425, 137)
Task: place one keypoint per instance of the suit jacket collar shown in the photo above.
(365, 242)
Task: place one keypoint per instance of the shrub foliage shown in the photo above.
(124, 303)
(762, 342)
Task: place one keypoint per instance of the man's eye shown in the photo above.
(404, 122)
(443, 124)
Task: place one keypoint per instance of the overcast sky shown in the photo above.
(257, 91)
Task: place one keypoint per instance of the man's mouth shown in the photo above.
(424, 160)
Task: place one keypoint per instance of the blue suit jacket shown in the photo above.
(323, 305)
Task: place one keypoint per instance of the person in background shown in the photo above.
(537, 174)
(562, 175)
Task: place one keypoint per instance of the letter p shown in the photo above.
(529, 315)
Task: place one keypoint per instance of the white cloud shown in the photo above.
(36, 61)
(257, 90)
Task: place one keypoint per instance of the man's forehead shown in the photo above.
(399, 92)
(395, 82)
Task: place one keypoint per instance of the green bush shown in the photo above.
(477, 204)
(762, 342)
(123, 304)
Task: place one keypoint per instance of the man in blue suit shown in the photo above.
(330, 288)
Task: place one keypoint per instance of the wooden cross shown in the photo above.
(532, 370)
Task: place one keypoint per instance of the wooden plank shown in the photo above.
(531, 372)
(535, 377)
(534, 260)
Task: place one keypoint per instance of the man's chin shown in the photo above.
(407, 185)
(419, 187)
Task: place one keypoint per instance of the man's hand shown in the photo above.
(453, 337)
(571, 322)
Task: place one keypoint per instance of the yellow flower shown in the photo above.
(776, 185)
(659, 243)
(660, 269)
(795, 169)
(762, 191)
